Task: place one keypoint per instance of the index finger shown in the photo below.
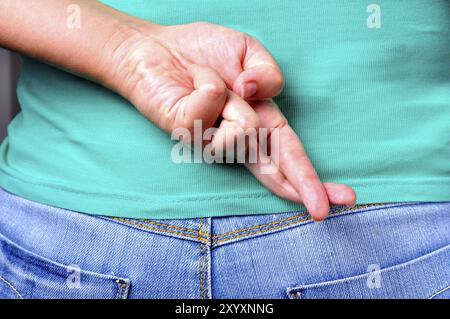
(293, 161)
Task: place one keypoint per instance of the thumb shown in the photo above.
(205, 102)
(261, 77)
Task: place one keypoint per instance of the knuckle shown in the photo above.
(214, 89)
(280, 122)
(250, 122)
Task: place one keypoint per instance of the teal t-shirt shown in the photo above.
(369, 98)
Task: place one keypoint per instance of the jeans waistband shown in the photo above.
(208, 231)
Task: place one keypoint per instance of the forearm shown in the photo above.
(41, 28)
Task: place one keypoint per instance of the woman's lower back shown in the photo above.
(371, 105)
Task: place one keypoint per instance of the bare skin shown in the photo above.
(174, 75)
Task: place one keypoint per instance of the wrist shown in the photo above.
(123, 39)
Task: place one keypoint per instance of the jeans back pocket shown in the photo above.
(425, 277)
(26, 275)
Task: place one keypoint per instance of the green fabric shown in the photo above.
(372, 107)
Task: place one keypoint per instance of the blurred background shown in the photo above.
(9, 73)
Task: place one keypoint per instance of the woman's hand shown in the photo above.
(175, 75)
(178, 74)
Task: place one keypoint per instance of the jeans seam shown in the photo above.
(147, 227)
(10, 285)
(291, 218)
(439, 292)
(207, 255)
(201, 259)
(165, 227)
(262, 229)
(189, 230)
(307, 217)
(207, 239)
(204, 262)
(142, 224)
(259, 226)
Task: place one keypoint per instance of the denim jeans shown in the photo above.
(399, 250)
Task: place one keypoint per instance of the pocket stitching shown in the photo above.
(57, 267)
(439, 292)
(299, 288)
(12, 287)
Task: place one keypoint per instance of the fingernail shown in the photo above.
(248, 90)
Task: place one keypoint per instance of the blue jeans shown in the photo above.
(373, 251)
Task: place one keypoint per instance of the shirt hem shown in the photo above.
(155, 207)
